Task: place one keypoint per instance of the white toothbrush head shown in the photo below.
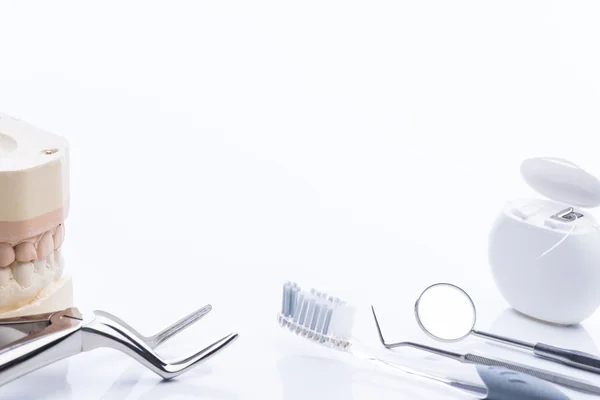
(316, 316)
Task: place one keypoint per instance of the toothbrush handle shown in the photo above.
(573, 358)
(498, 383)
(464, 387)
(553, 377)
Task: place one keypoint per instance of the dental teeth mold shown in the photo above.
(34, 203)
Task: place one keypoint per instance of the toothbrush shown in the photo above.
(328, 321)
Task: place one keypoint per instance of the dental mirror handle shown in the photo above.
(573, 358)
(553, 377)
(503, 339)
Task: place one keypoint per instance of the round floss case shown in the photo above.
(545, 253)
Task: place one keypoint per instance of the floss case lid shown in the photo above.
(562, 181)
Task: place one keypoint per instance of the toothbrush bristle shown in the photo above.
(316, 316)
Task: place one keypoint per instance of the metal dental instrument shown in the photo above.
(328, 321)
(563, 380)
(54, 336)
(156, 340)
(446, 301)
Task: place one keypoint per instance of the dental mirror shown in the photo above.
(445, 312)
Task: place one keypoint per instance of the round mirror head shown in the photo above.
(445, 312)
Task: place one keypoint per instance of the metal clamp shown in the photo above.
(567, 215)
(54, 336)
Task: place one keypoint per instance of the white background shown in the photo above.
(360, 148)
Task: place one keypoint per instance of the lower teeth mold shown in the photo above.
(22, 282)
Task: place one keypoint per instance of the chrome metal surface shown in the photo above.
(48, 338)
(573, 358)
(467, 332)
(567, 215)
(503, 339)
(468, 358)
(167, 333)
(60, 338)
(434, 350)
(553, 377)
(476, 390)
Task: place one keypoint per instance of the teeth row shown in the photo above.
(23, 273)
(35, 248)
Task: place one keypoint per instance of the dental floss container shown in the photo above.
(545, 253)
(34, 203)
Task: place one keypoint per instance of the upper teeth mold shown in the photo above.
(34, 203)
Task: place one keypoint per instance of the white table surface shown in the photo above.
(363, 149)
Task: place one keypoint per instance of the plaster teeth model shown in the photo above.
(34, 203)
